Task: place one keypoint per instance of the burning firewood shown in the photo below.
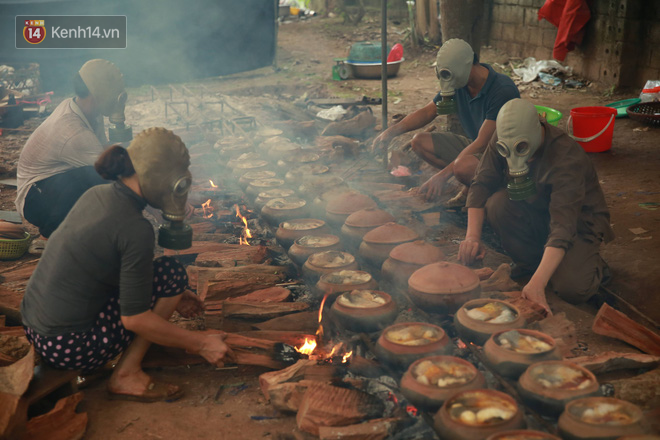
(612, 323)
(359, 126)
(327, 405)
(290, 374)
(260, 311)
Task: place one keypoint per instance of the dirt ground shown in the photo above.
(628, 173)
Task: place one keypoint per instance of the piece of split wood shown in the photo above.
(60, 423)
(610, 322)
(292, 373)
(614, 361)
(377, 429)
(260, 311)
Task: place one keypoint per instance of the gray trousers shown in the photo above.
(523, 230)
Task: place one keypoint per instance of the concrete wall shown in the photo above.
(621, 45)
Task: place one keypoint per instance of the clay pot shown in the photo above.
(452, 423)
(315, 186)
(307, 245)
(378, 243)
(249, 177)
(405, 259)
(512, 364)
(276, 193)
(430, 397)
(393, 346)
(265, 134)
(283, 150)
(339, 208)
(243, 158)
(360, 222)
(229, 148)
(351, 312)
(321, 202)
(477, 331)
(303, 158)
(276, 211)
(297, 172)
(291, 230)
(334, 283)
(550, 400)
(523, 434)
(573, 424)
(324, 262)
(443, 287)
(243, 167)
(256, 187)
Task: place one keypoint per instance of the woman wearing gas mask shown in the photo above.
(540, 192)
(97, 291)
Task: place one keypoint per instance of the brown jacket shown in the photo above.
(566, 183)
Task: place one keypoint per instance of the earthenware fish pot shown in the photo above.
(302, 158)
(265, 134)
(379, 242)
(243, 167)
(289, 231)
(405, 259)
(320, 202)
(400, 355)
(443, 287)
(364, 319)
(478, 332)
(298, 173)
(360, 222)
(307, 245)
(276, 211)
(431, 397)
(249, 177)
(450, 428)
(283, 150)
(276, 193)
(328, 283)
(256, 187)
(233, 147)
(523, 434)
(551, 401)
(512, 364)
(315, 186)
(320, 263)
(573, 425)
(339, 208)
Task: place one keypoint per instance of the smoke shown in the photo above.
(167, 40)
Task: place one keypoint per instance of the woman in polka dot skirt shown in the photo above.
(97, 292)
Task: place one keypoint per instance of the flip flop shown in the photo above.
(156, 392)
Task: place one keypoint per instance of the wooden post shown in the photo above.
(383, 69)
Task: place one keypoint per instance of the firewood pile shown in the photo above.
(344, 381)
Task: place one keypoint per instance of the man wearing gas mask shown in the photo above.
(541, 195)
(56, 164)
(473, 90)
(97, 291)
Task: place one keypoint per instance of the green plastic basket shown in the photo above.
(551, 115)
(622, 106)
(366, 52)
(12, 249)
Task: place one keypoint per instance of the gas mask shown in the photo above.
(519, 134)
(161, 162)
(106, 84)
(453, 67)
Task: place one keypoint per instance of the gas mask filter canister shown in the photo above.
(161, 162)
(519, 134)
(453, 67)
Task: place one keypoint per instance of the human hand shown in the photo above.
(471, 250)
(214, 349)
(535, 292)
(432, 188)
(381, 142)
(190, 305)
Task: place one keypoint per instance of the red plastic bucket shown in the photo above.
(592, 127)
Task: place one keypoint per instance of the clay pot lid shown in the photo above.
(330, 259)
(417, 252)
(317, 241)
(443, 278)
(347, 277)
(522, 434)
(584, 410)
(532, 343)
(363, 299)
(258, 174)
(560, 375)
(369, 217)
(276, 193)
(243, 158)
(472, 401)
(269, 132)
(411, 333)
(250, 164)
(310, 169)
(284, 147)
(230, 140)
(390, 233)
(454, 368)
(348, 203)
(333, 193)
(302, 224)
(267, 183)
(304, 157)
(284, 203)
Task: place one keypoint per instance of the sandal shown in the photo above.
(155, 392)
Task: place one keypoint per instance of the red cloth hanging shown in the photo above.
(569, 16)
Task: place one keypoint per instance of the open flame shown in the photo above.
(319, 331)
(412, 410)
(213, 185)
(346, 357)
(208, 209)
(308, 347)
(460, 344)
(243, 239)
